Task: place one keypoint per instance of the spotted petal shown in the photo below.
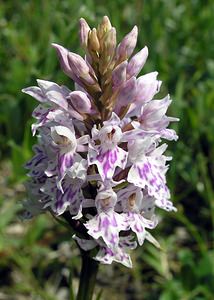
(107, 256)
(38, 163)
(120, 254)
(70, 198)
(138, 224)
(65, 161)
(108, 161)
(106, 225)
(147, 173)
(165, 204)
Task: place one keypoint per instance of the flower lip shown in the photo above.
(79, 101)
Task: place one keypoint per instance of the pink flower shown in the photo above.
(100, 156)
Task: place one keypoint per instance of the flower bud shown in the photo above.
(108, 50)
(137, 62)
(63, 59)
(93, 42)
(79, 67)
(147, 87)
(127, 45)
(119, 74)
(83, 32)
(80, 101)
(104, 27)
(126, 94)
(110, 42)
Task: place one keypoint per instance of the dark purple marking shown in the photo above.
(65, 161)
(109, 252)
(106, 167)
(146, 168)
(142, 173)
(113, 239)
(138, 228)
(153, 181)
(114, 222)
(101, 156)
(113, 156)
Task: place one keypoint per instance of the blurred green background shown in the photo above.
(36, 256)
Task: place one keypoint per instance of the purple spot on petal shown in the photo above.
(65, 161)
(113, 156)
(142, 173)
(138, 228)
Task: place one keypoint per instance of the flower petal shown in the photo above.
(106, 226)
(107, 256)
(148, 174)
(137, 62)
(108, 161)
(127, 45)
(35, 92)
(70, 197)
(119, 74)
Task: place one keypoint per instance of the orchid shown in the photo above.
(107, 223)
(107, 155)
(99, 163)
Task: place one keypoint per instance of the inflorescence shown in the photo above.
(99, 162)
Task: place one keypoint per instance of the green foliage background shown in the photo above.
(35, 257)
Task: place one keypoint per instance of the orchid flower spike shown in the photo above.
(100, 156)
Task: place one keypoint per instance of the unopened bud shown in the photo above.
(108, 49)
(137, 62)
(63, 59)
(110, 41)
(79, 67)
(126, 94)
(147, 87)
(127, 45)
(119, 74)
(106, 23)
(77, 63)
(83, 32)
(104, 27)
(80, 101)
(93, 42)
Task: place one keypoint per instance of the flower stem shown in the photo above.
(87, 277)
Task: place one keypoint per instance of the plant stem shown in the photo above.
(87, 277)
(71, 291)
